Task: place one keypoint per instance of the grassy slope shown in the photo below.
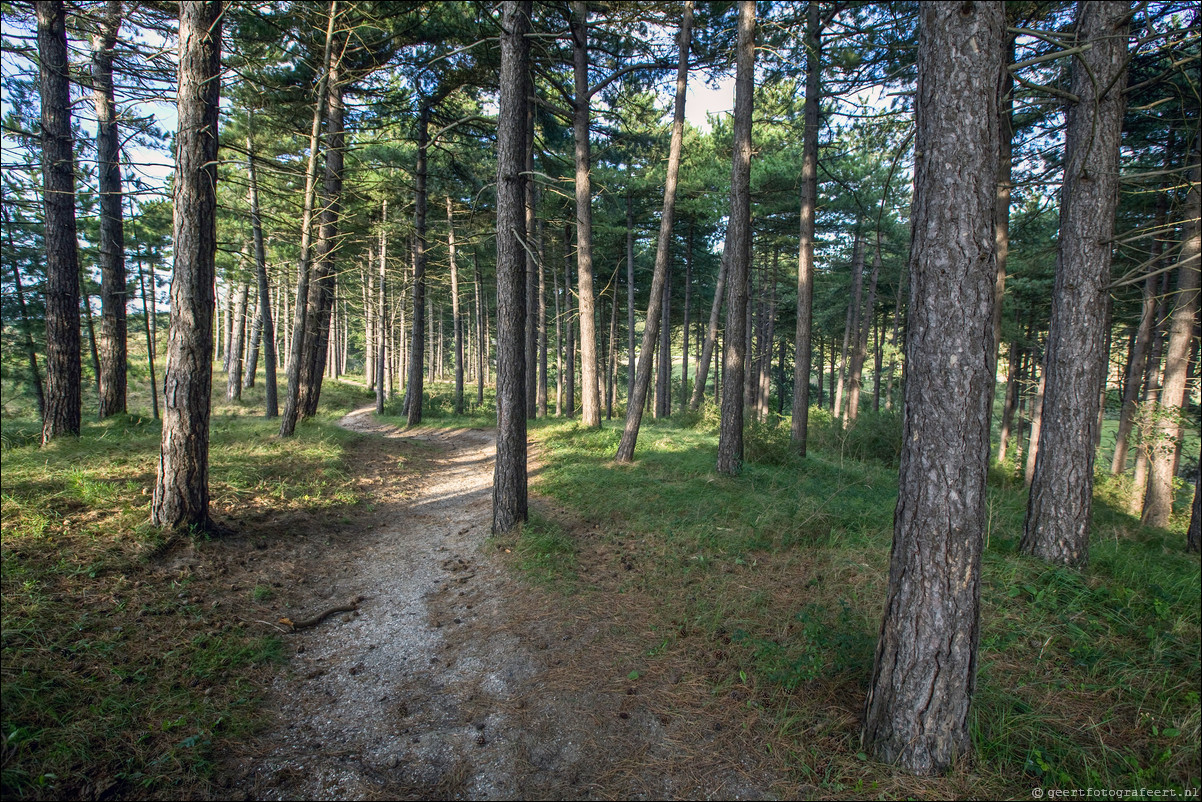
(1086, 679)
(121, 671)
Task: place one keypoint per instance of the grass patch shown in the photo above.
(125, 672)
(769, 587)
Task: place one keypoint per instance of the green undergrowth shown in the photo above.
(778, 577)
(121, 674)
(438, 407)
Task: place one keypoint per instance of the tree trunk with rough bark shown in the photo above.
(233, 383)
(802, 346)
(320, 306)
(63, 346)
(112, 228)
(417, 341)
(531, 267)
(738, 242)
(181, 492)
(509, 478)
(1138, 360)
(1158, 502)
(924, 674)
(296, 340)
(457, 319)
(590, 406)
(570, 379)
(711, 336)
(541, 400)
(264, 287)
(1060, 506)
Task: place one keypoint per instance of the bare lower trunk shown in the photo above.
(63, 348)
(688, 293)
(800, 426)
(541, 400)
(590, 407)
(112, 232)
(457, 320)
(321, 292)
(1060, 506)
(570, 382)
(181, 492)
(738, 242)
(711, 336)
(1137, 363)
(417, 344)
(1158, 503)
(296, 340)
(1036, 427)
(233, 385)
(917, 714)
(509, 479)
(1009, 403)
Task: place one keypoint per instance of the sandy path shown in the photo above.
(455, 681)
(374, 702)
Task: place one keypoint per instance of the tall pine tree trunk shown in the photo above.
(1060, 506)
(63, 347)
(738, 242)
(590, 406)
(181, 491)
(924, 673)
(455, 316)
(31, 354)
(1138, 360)
(296, 340)
(570, 379)
(112, 229)
(688, 294)
(799, 428)
(541, 400)
(531, 274)
(233, 385)
(417, 342)
(655, 314)
(1158, 503)
(711, 336)
(321, 292)
(509, 477)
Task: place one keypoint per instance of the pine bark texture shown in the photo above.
(917, 710)
(63, 345)
(711, 337)
(509, 478)
(304, 267)
(1060, 506)
(320, 304)
(456, 318)
(112, 227)
(1158, 503)
(265, 317)
(233, 383)
(1138, 359)
(656, 304)
(802, 347)
(417, 342)
(181, 492)
(738, 242)
(590, 405)
(531, 266)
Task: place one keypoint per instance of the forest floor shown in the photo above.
(453, 678)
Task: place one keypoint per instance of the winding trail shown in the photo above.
(452, 680)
